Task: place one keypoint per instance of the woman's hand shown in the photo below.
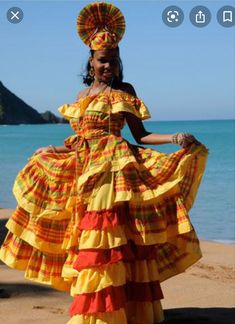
(184, 139)
(49, 149)
(53, 149)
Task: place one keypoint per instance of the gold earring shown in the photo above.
(92, 72)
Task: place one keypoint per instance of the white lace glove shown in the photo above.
(184, 139)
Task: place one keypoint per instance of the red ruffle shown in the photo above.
(105, 300)
(113, 298)
(124, 214)
(105, 218)
(90, 258)
(98, 257)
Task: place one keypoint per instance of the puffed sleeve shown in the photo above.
(120, 102)
(134, 106)
(69, 111)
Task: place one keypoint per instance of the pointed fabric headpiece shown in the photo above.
(101, 25)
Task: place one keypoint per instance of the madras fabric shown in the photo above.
(101, 25)
(119, 101)
(108, 221)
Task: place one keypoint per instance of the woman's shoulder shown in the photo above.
(122, 89)
(82, 93)
(126, 88)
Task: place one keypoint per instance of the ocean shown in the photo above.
(213, 213)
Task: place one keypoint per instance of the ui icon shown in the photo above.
(226, 16)
(173, 16)
(200, 16)
(15, 15)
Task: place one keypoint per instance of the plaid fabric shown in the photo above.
(108, 103)
(103, 125)
(109, 214)
(42, 267)
(46, 233)
(46, 182)
(101, 25)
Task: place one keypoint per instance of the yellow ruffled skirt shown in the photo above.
(108, 227)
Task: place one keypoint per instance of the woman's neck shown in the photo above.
(100, 84)
(96, 88)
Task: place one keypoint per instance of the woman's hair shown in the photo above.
(88, 79)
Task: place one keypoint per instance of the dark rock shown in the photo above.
(51, 118)
(14, 111)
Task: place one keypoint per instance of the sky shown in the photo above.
(181, 73)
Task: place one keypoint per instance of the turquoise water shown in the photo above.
(213, 214)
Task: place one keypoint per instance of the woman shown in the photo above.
(98, 216)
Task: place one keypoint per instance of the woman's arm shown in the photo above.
(137, 128)
(144, 137)
(141, 135)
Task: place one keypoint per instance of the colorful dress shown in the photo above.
(108, 221)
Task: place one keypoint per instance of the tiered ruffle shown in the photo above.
(111, 252)
(108, 222)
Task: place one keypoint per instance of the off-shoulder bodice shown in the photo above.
(101, 114)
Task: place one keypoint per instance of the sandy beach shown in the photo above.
(205, 293)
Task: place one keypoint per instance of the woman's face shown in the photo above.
(105, 64)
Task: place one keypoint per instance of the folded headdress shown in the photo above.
(101, 25)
